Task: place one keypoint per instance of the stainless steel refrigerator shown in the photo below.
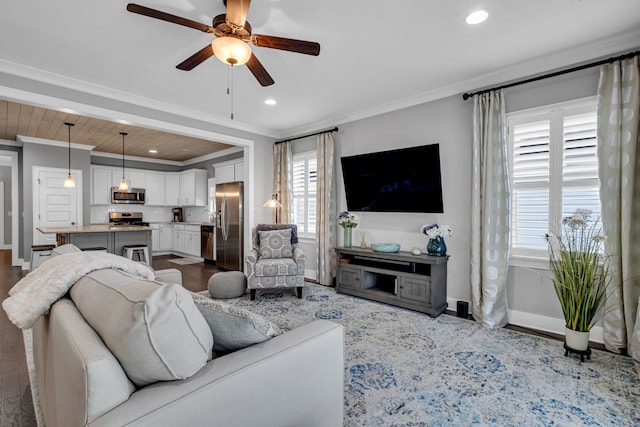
(229, 225)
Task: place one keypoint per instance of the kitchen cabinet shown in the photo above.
(178, 238)
(193, 187)
(229, 171)
(155, 189)
(155, 237)
(101, 185)
(172, 189)
(192, 240)
(135, 178)
(165, 242)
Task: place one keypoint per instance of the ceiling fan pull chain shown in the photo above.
(230, 87)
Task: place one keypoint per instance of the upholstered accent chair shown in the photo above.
(275, 261)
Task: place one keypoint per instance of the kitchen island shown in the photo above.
(110, 237)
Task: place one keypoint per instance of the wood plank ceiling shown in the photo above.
(26, 120)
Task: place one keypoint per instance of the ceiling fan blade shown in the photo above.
(292, 45)
(237, 11)
(196, 59)
(258, 71)
(153, 13)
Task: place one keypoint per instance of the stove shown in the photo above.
(126, 219)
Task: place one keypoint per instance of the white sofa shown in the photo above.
(292, 379)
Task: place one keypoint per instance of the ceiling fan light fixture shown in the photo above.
(231, 50)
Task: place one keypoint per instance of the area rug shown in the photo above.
(184, 261)
(404, 368)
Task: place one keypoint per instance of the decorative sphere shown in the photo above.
(415, 251)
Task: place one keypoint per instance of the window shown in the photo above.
(554, 171)
(304, 193)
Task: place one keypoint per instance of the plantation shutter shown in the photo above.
(580, 165)
(530, 186)
(554, 171)
(304, 192)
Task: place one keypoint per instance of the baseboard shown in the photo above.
(549, 324)
(310, 274)
(5, 247)
(536, 322)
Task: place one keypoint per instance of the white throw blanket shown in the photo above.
(32, 296)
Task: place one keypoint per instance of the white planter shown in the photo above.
(576, 340)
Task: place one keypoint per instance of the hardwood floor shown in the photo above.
(16, 406)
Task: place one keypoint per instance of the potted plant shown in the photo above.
(580, 275)
(348, 222)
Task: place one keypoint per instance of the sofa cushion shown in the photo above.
(275, 244)
(267, 227)
(154, 329)
(233, 327)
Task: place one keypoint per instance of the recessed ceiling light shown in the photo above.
(270, 101)
(153, 151)
(476, 17)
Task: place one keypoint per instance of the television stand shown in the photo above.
(416, 282)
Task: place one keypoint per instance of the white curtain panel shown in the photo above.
(490, 211)
(325, 210)
(619, 173)
(283, 180)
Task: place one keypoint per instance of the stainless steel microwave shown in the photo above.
(131, 196)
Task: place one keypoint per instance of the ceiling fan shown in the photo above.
(233, 33)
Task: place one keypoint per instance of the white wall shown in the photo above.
(446, 122)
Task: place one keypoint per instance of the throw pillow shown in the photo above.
(233, 327)
(276, 244)
(153, 329)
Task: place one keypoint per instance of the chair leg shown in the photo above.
(253, 295)
(299, 291)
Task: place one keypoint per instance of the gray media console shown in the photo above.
(417, 282)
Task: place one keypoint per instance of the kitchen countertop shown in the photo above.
(183, 222)
(94, 228)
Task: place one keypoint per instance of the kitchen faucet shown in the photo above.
(212, 216)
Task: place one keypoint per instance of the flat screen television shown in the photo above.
(403, 180)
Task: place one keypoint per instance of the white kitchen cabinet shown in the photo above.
(192, 240)
(178, 238)
(155, 189)
(100, 185)
(172, 189)
(135, 178)
(193, 187)
(155, 237)
(165, 242)
(229, 171)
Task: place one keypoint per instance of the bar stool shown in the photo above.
(39, 254)
(141, 251)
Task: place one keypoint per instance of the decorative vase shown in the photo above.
(576, 340)
(347, 237)
(437, 247)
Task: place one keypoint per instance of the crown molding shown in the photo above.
(82, 86)
(560, 59)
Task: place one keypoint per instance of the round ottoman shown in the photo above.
(227, 284)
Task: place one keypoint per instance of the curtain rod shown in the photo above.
(467, 95)
(335, 129)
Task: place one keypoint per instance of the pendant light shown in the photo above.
(69, 182)
(124, 186)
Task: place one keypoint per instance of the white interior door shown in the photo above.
(53, 204)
